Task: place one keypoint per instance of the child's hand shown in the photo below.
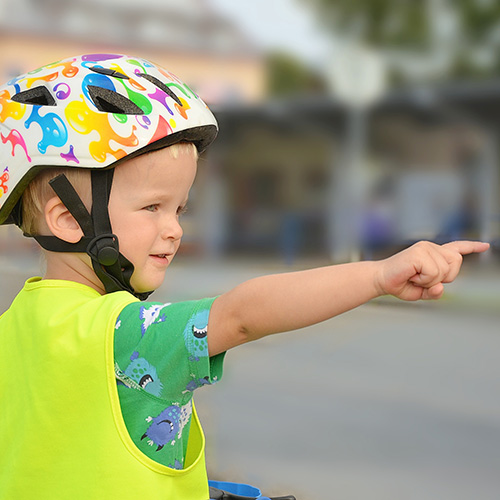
(420, 271)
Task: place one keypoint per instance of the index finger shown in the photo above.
(465, 247)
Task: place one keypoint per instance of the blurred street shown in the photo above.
(390, 401)
(383, 403)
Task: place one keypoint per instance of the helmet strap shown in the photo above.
(111, 267)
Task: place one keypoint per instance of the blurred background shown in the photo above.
(348, 129)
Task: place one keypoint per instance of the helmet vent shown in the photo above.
(39, 96)
(109, 101)
(109, 72)
(161, 86)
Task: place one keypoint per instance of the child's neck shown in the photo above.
(72, 267)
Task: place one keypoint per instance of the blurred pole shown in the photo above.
(488, 185)
(346, 191)
(357, 78)
(356, 151)
(214, 208)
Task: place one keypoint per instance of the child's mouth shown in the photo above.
(160, 257)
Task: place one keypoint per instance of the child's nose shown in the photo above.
(172, 229)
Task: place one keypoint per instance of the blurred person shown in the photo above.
(99, 155)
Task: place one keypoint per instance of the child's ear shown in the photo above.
(60, 221)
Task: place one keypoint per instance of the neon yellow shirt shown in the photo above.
(62, 433)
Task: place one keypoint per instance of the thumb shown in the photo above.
(434, 292)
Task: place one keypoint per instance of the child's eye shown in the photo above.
(182, 210)
(151, 208)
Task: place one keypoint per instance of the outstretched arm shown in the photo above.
(283, 302)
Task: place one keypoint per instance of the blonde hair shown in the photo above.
(183, 148)
(39, 192)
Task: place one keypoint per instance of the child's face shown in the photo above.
(148, 195)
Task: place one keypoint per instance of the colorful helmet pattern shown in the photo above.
(89, 112)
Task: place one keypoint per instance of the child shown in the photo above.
(99, 153)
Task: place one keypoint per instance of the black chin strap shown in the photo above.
(99, 242)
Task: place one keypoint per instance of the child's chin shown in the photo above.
(144, 289)
(148, 280)
(145, 286)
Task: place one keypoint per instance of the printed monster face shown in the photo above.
(195, 336)
(144, 374)
(164, 428)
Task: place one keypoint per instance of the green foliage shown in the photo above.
(378, 22)
(413, 26)
(287, 76)
(480, 18)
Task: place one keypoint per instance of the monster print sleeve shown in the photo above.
(161, 357)
(163, 347)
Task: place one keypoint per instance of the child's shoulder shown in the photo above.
(178, 314)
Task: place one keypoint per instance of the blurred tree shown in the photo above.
(288, 76)
(442, 38)
(378, 22)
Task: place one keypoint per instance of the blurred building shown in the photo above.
(428, 170)
(188, 37)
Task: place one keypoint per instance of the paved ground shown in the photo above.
(381, 403)
(391, 401)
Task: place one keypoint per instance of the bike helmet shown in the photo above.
(92, 112)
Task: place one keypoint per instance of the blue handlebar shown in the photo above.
(223, 490)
